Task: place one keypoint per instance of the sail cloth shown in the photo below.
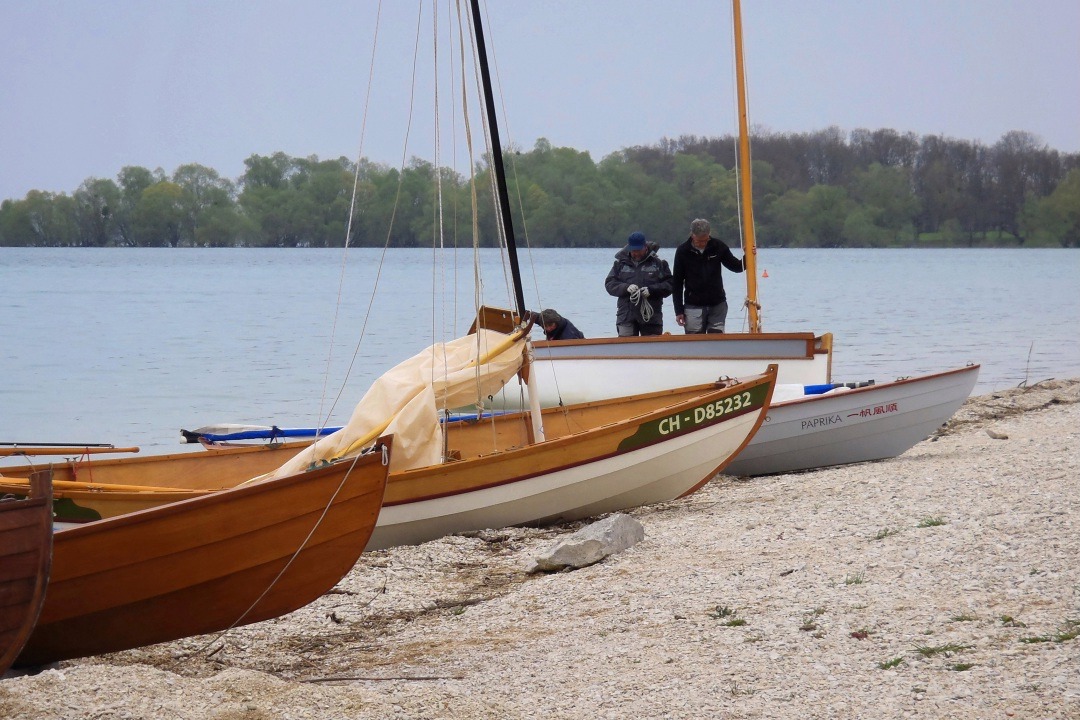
(407, 400)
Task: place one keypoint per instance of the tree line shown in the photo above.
(822, 189)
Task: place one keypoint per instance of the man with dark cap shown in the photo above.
(556, 327)
(699, 297)
(641, 281)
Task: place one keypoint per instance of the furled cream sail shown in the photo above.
(406, 401)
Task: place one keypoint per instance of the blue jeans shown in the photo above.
(705, 318)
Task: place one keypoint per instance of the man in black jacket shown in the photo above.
(699, 298)
(556, 327)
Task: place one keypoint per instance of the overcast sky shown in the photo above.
(87, 88)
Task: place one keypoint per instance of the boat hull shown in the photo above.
(207, 564)
(869, 423)
(559, 487)
(575, 371)
(25, 558)
(598, 457)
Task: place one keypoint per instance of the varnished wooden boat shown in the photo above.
(206, 564)
(597, 457)
(25, 555)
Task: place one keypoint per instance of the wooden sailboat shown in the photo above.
(206, 564)
(26, 531)
(521, 467)
(597, 457)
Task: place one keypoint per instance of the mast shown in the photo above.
(745, 181)
(497, 161)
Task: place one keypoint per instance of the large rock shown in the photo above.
(591, 544)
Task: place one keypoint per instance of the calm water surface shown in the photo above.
(127, 346)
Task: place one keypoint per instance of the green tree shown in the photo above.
(132, 182)
(1055, 219)
(96, 203)
(825, 214)
(204, 193)
(16, 226)
(158, 219)
(50, 219)
(887, 205)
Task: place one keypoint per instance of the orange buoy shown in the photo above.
(765, 273)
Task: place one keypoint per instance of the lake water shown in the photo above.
(126, 346)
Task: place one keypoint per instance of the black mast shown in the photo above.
(497, 160)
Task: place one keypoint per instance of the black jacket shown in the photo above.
(696, 277)
(564, 330)
(652, 272)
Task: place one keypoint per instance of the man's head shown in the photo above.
(637, 246)
(549, 319)
(699, 233)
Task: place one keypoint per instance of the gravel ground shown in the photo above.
(941, 584)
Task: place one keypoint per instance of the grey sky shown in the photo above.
(87, 87)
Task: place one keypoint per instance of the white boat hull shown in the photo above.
(870, 423)
(656, 473)
(577, 371)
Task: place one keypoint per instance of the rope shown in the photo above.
(641, 300)
(385, 457)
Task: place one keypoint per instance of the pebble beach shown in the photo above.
(944, 583)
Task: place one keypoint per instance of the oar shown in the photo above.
(69, 485)
(60, 449)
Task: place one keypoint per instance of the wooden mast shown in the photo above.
(745, 180)
(497, 161)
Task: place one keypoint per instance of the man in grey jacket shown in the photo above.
(641, 280)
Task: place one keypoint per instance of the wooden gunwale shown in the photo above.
(195, 468)
(569, 451)
(647, 339)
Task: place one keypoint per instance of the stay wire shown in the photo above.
(323, 420)
(393, 215)
(318, 523)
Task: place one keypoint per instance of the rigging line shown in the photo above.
(513, 163)
(393, 215)
(478, 278)
(733, 99)
(438, 239)
(326, 509)
(324, 419)
(454, 149)
(751, 302)
(500, 224)
(477, 291)
(435, 285)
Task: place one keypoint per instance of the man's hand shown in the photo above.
(631, 289)
(645, 291)
(680, 319)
